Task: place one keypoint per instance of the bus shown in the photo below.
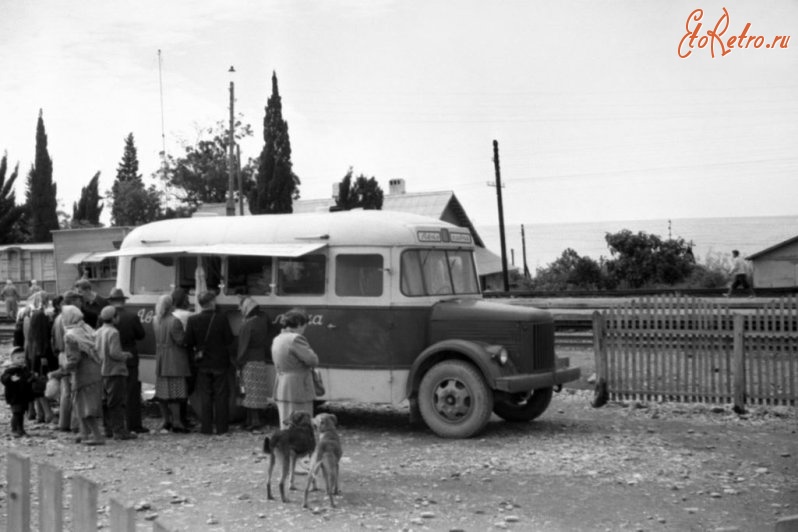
(396, 314)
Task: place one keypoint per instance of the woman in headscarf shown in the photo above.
(86, 367)
(171, 365)
(294, 361)
(254, 361)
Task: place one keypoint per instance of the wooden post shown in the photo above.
(787, 524)
(84, 504)
(739, 365)
(18, 478)
(123, 519)
(599, 345)
(51, 499)
(158, 527)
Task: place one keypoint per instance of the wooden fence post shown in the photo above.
(739, 365)
(158, 527)
(599, 345)
(51, 499)
(123, 519)
(84, 504)
(18, 479)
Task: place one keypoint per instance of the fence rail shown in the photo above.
(686, 349)
(51, 501)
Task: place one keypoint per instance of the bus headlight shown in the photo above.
(500, 355)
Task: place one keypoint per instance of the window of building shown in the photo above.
(358, 275)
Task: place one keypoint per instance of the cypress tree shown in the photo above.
(86, 212)
(131, 202)
(10, 212)
(41, 193)
(276, 184)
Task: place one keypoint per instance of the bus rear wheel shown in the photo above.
(454, 399)
(523, 407)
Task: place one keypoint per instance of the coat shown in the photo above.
(210, 332)
(20, 392)
(171, 357)
(85, 369)
(110, 350)
(130, 331)
(294, 360)
(255, 340)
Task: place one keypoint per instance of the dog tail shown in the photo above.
(266, 445)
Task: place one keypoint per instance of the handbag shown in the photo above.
(200, 353)
(53, 388)
(318, 383)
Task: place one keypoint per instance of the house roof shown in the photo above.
(28, 247)
(774, 247)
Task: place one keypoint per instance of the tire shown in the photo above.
(518, 407)
(454, 399)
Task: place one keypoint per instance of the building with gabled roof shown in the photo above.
(777, 265)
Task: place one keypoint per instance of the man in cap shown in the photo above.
(130, 331)
(93, 303)
(209, 337)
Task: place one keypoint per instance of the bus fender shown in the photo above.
(468, 351)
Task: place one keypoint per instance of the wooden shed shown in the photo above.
(24, 262)
(776, 266)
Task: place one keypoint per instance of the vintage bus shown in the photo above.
(396, 312)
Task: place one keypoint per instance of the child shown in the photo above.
(114, 372)
(17, 379)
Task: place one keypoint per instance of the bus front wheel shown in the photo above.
(454, 400)
(523, 407)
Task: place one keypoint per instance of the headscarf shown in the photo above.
(35, 301)
(247, 306)
(162, 308)
(78, 331)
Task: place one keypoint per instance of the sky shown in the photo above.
(596, 115)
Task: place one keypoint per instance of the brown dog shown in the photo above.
(286, 446)
(326, 456)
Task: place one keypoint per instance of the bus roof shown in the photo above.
(287, 234)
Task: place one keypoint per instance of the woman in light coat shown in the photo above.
(172, 366)
(294, 361)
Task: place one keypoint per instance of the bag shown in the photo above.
(53, 389)
(318, 383)
(200, 353)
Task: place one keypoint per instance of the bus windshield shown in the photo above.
(431, 272)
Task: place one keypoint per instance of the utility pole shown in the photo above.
(523, 250)
(498, 185)
(230, 209)
(240, 181)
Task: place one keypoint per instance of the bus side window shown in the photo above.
(208, 273)
(249, 275)
(301, 275)
(358, 275)
(412, 276)
(152, 275)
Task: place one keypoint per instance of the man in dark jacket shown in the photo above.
(209, 337)
(130, 331)
(93, 303)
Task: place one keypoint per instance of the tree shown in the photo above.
(201, 174)
(276, 186)
(365, 193)
(86, 212)
(41, 201)
(10, 212)
(569, 271)
(131, 202)
(642, 259)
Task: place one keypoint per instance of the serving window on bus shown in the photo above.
(434, 272)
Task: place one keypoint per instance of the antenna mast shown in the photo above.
(163, 134)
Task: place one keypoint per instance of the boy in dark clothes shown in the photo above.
(17, 379)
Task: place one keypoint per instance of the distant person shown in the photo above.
(172, 367)
(38, 349)
(130, 332)
(739, 275)
(209, 337)
(67, 419)
(11, 297)
(114, 372)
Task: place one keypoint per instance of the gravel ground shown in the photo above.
(626, 466)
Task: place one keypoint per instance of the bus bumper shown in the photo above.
(536, 381)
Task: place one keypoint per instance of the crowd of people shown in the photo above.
(78, 351)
